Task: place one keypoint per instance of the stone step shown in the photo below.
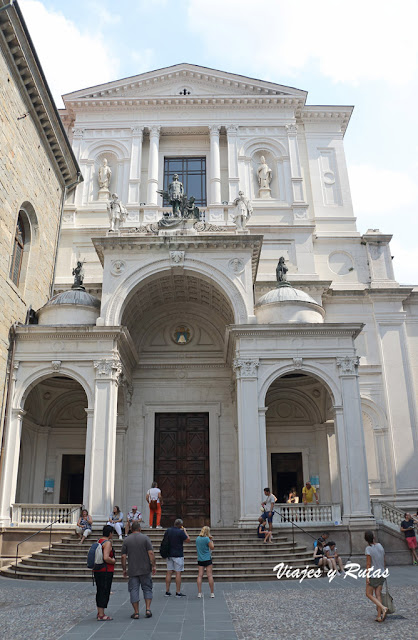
(81, 554)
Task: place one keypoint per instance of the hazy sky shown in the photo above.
(362, 53)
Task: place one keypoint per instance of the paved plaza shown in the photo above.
(313, 610)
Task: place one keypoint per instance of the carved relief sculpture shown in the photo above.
(264, 175)
(104, 176)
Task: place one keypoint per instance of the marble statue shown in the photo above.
(264, 175)
(103, 178)
(191, 210)
(117, 212)
(281, 271)
(78, 274)
(243, 211)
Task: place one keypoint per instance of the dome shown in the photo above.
(287, 304)
(74, 306)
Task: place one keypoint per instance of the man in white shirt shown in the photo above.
(268, 506)
(155, 502)
(133, 516)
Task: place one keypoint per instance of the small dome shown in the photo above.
(74, 296)
(72, 307)
(287, 304)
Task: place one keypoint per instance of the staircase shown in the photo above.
(238, 556)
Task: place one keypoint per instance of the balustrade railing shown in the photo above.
(36, 515)
(387, 513)
(307, 515)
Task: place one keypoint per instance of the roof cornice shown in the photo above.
(20, 53)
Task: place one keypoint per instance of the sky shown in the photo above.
(362, 53)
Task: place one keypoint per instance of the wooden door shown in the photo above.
(181, 467)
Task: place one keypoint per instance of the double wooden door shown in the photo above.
(181, 467)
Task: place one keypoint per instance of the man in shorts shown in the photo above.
(407, 527)
(268, 506)
(177, 535)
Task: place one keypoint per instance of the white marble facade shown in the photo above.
(337, 385)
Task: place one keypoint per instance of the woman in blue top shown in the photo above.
(204, 546)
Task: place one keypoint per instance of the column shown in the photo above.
(121, 467)
(233, 177)
(263, 446)
(10, 466)
(101, 440)
(40, 455)
(295, 168)
(334, 474)
(78, 134)
(135, 166)
(250, 451)
(351, 445)
(215, 165)
(154, 147)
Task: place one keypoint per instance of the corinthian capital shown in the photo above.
(214, 129)
(154, 130)
(348, 365)
(232, 129)
(245, 367)
(291, 129)
(109, 368)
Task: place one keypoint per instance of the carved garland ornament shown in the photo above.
(348, 365)
(245, 368)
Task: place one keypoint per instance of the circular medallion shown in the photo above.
(182, 334)
(236, 265)
(340, 263)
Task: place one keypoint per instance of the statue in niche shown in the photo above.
(117, 212)
(281, 271)
(243, 212)
(78, 273)
(103, 178)
(175, 196)
(264, 175)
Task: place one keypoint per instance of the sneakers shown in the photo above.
(212, 595)
(199, 595)
(158, 527)
(120, 538)
(167, 593)
(180, 595)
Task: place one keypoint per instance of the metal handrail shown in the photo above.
(81, 507)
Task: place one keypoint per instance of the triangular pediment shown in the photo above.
(185, 80)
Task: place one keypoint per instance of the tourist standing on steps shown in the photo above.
(177, 535)
(204, 546)
(155, 502)
(84, 524)
(407, 527)
(141, 564)
(268, 506)
(375, 557)
(103, 577)
(116, 521)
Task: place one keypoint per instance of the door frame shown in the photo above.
(214, 411)
(58, 469)
(305, 460)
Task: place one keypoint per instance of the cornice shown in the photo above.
(18, 49)
(321, 113)
(302, 329)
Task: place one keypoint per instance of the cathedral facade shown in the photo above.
(233, 332)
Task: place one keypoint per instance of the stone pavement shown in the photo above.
(313, 610)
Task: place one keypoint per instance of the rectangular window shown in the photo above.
(191, 172)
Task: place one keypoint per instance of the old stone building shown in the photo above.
(37, 170)
(187, 357)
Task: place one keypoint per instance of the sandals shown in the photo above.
(148, 614)
(104, 618)
(385, 613)
(135, 616)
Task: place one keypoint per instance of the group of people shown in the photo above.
(309, 493)
(139, 565)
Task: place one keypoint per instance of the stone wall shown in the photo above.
(27, 175)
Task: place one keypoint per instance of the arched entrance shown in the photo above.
(300, 437)
(176, 432)
(53, 443)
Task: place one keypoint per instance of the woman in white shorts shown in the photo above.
(83, 528)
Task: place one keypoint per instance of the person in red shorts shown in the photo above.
(407, 527)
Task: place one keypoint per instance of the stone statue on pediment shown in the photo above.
(78, 273)
(242, 212)
(264, 175)
(103, 177)
(117, 212)
(281, 271)
(175, 195)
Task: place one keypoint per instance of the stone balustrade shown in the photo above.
(388, 514)
(311, 515)
(38, 515)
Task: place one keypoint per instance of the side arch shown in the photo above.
(274, 372)
(26, 384)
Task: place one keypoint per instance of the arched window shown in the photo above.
(18, 248)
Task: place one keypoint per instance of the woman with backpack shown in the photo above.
(155, 501)
(103, 574)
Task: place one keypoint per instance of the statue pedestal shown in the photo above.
(103, 194)
(264, 193)
(177, 227)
